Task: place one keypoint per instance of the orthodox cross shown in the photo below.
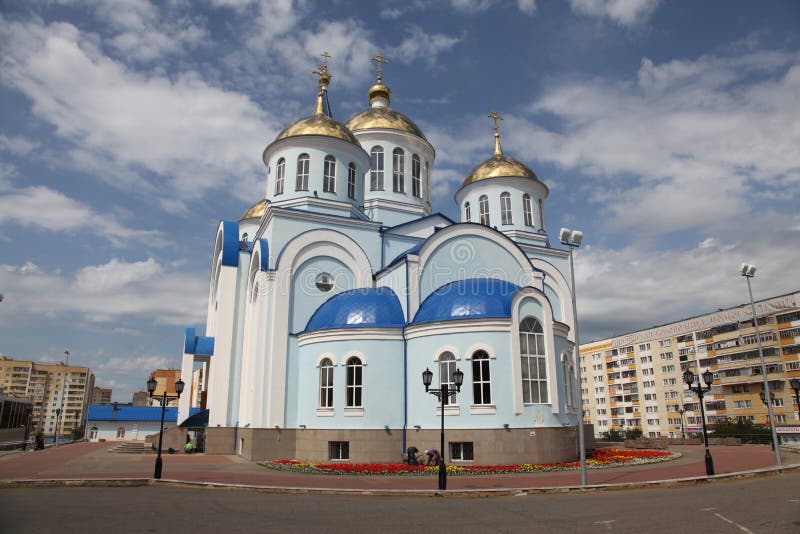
(380, 61)
(496, 117)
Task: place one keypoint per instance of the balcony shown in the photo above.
(746, 378)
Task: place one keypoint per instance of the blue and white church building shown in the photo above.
(333, 293)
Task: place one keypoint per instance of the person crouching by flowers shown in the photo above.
(433, 456)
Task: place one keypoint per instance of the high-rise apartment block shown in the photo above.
(58, 392)
(635, 380)
(101, 395)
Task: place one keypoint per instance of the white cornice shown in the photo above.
(349, 334)
(393, 205)
(457, 326)
(313, 216)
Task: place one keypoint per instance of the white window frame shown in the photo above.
(416, 178)
(303, 165)
(354, 388)
(280, 174)
(483, 210)
(481, 378)
(506, 216)
(376, 168)
(527, 209)
(398, 170)
(533, 360)
(329, 175)
(351, 181)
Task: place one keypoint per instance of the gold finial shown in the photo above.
(324, 80)
(498, 150)
(380, 61)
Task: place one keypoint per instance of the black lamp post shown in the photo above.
(794, 383)
(443, 393)
(681, 411)
(708, 378)
(163, 399)
(763, 398)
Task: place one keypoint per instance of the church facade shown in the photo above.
(332, 295)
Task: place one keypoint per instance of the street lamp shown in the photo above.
(708, 378)
(60, 409)
(749, 271)
(443, 394)
(794, 383)
(572, 239)
(163, 399)
(681, 411)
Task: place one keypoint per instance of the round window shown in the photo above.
(324, 282)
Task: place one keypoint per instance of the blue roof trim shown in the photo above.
(474, 298)
(413, 250)
(359, 308)
(264, 254)
(230, 243)
(193, 344)
(106, 412)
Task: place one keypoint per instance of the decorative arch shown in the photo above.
(481, 346)
(352, 354)
(559, 282)
(324, 356)
(445, 348)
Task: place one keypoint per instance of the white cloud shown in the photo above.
(19, 146)
(472, 6)
(193, 137)
(109, 292)
(421, 45)
(623, 12)
(527, 6)
(42, 207)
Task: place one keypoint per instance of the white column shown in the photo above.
(185, 401)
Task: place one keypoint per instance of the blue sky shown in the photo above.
(668, 132)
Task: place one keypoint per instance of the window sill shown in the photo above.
(325, 412)
(354, 412)
(483, 409)
(449, 410)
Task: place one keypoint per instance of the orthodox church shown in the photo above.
(332, 295)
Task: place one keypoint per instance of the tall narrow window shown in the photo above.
(354, 384)
(527, 209)
(483, 209)
(399, 170)
(302, 172)
(467, 213)
(416, 179)
(481, 383)
(447, 366)
(351, 180)
(426, 179)
(329, 175)
(279, 175)
(505, 208)
(376, 170)
(534, 367)
(326, 383)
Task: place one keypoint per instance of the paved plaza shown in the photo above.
(94, 461)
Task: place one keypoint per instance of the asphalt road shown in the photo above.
(769, 504)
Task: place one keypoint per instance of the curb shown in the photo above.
(460, 493)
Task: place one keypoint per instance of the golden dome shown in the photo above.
(382, 117)
(379, 90)
(318, 125)
(500, 165)
(255, 211)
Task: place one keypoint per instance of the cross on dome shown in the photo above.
(380, 61)
(498, 150)
(324, 80)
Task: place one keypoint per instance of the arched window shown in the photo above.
(121, 432)
(541, 214)
(416, 179)
(329, 175)
(467, 213)
(279, 176)
(351, 180)
(376, 170)
(481, 382)
(354, 383)
(534, 366)
(527, 209)
(302, 172)
(483, 209)
(399, 170)
(505, 208)
(326, 383)
(447, 366)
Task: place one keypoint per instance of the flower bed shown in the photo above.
(600, 459)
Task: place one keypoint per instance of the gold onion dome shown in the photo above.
(256, 210)
(380, 116)
(319, 123)
(500, 164)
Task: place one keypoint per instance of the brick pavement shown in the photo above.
(92, 460)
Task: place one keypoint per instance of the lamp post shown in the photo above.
(681, 411)
(794, 383)
(749, 271)
(60, 409)
(572, 239)
(443, 394)
(163, 399)
(708, 378)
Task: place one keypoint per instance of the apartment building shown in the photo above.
(101, 395)
(635, 380)
(165, 381)
(50, 387)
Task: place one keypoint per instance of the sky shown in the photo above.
(667, 132)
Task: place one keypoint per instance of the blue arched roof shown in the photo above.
(474, 298)
(359, 308)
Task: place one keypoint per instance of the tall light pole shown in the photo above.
(60, 409)
(681, 411)
(708, 378)
(572, 239)
(749, 271)
(443, 394)
(163, 399)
